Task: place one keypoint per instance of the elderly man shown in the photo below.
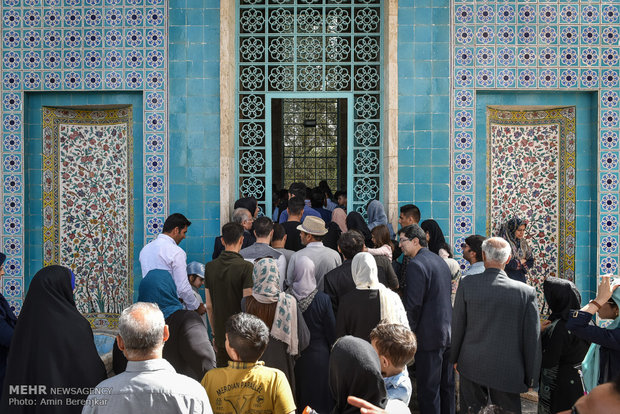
(244, 217)
(495, 334)
(164, 253)
(429, 309)
(150, 384)
(325, 259)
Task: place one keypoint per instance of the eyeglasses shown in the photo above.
(574, 410)
(403, 239)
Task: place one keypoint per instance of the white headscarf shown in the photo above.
(364, 271)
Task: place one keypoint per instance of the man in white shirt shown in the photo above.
(472, 252)
(165, 254)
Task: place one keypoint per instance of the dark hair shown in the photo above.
(351, 243)
(247, 335)
(263, 226)
(325, 188)
(175, 220)
(317, 197)
(617, 385)
(298, 190)
(231, 233)
(278, 231)
(296, 205)
(414, 232)
(395, 342)
(249, 203)
(381, 233)
(340, 193)
(435, 235)
(411, 210)
(475, 244)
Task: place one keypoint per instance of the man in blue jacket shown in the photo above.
(429, 310)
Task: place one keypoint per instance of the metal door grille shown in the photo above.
(310, 47)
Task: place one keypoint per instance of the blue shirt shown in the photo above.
(398, 387)
(308, 211)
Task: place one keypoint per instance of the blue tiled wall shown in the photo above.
(424, 108)
(587, 107)
(194, 97)
(33, 148)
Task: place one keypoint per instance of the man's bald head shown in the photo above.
(495, 252)
(142, 329)
(604, 399)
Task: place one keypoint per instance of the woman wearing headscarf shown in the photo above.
(434, 235)
(311, 369)
(288, 331)
(355, 221)
(377, 217)
(562, 351)
(355, 370)
(188, 348)
(339, 216)
(249, 203)
(513, 231)
(55, 346)
(7, 326)
(602, 362)
(362, 309)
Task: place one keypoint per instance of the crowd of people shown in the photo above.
(317, 310)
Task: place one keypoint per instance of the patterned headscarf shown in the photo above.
(364, 272)
(520, 248)
(266, 290)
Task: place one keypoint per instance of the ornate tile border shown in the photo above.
(536, 154)
(536, 46)
(81, 45)
(88, 206)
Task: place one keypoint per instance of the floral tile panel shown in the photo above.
(88, 217)
(531, 156)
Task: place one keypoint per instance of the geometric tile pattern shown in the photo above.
(531, 175)
(542, 46)
(80, 45)
(309, 47)
(88, 206)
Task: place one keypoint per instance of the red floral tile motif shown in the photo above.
(531, 159)
(88, 206)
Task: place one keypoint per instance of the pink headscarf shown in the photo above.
(339, 216)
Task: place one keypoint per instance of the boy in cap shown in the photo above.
(196, 277)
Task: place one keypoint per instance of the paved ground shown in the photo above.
(529, 402)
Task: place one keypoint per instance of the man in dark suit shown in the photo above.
(429, 310)
(495, 334)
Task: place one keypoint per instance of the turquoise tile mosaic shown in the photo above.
(543, 46)
(80, 45)
(424, 105)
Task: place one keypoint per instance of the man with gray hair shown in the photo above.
(244, 217)
(149, 383)
(495, 334)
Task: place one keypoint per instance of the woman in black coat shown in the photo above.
(53, 346)
(563, 351)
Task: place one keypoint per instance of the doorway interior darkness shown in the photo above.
(309, 142)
